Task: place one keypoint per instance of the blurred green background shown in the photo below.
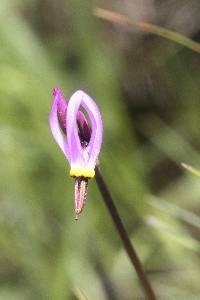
(148, 91)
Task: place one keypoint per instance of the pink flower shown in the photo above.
(79, 138)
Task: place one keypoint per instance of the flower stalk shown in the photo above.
(131, 252)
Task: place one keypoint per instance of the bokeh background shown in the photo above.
(147, 88)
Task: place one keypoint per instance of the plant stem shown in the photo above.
(124, 236)
(148, 28)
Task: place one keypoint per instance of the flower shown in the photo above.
(79, 138)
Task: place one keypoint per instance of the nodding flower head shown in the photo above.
(79, 136)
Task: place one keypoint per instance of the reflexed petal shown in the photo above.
(74, 144)
(97, 129)
(85, 130)
(59, 136)
(62, 112)
(83, 158)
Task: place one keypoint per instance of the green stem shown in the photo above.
(147, 27)
(131, 252)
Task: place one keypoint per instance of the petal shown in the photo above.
(97, 129)
(62, 112)
(74, 144)
(59, 136)
(85, 130)
(83, 160)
